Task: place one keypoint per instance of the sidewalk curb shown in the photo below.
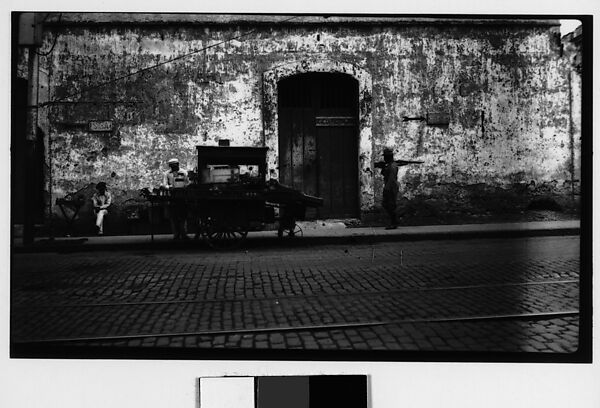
(79, 245)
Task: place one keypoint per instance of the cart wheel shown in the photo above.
(290, 232)
(225, 239)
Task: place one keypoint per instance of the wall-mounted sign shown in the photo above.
(335, 121)
(438, 118)
(100, 125)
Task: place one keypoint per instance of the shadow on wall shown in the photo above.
(129, 214)
(452, 203)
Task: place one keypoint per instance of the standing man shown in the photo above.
(176, 178)
(101, 200)
(390, 188)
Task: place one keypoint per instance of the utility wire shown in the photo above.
(45, 54)
(156, 65)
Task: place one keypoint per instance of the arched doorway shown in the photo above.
(318, 140)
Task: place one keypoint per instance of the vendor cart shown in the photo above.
(230, 197)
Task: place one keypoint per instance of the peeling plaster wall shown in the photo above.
(573, 53)
(505, 88)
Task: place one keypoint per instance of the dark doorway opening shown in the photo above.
(27, 193)
(17, 147)
(22, 155)
(318, 140)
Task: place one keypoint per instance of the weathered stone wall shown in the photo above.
(505, 88)
(573, 54)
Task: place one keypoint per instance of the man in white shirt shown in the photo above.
(176, 177)
(177, 211)
(101, 200)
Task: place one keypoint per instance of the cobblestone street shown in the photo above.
(489, 295)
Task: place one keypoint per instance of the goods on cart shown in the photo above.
(231, 197)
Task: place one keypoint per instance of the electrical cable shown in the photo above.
(99, 85)
(45, 54)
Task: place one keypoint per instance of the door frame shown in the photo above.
(366, 196)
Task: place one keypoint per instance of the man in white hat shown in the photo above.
(175, 178)
(177, 211)
(390, 187)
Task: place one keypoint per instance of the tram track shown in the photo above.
(318, 312)
(300, 296)
(527, 316)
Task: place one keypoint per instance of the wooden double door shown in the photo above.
(318, 140)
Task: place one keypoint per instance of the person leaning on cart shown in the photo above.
(177, 211)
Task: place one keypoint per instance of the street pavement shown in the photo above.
(469, 295)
